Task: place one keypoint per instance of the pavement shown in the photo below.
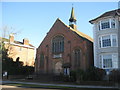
(7, 86)
(64, 85)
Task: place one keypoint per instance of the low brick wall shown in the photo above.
(44, 77)
(16, 76)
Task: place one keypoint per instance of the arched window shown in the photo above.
(58, 44)
(77, 57)
(42, 60)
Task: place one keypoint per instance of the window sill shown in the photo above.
(108, 47)
(105, 29)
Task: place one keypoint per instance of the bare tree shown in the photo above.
(6, 31)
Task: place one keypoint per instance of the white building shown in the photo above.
(106, 34)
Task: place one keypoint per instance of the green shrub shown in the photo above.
(115, 76)
(94, 74)
(91, 74)
(73, 76)
(77, 75)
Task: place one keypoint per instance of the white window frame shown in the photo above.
(110, 22)
(112, 54)
(114, 22)
(103, 61)
(116, 40)
(111, 38)
(66, 71)
(100, 61)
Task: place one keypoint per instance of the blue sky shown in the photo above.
(34, 19)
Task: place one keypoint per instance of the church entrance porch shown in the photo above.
(58, 68)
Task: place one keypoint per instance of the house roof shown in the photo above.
(78, 32)
(16, 42)
(109, 13)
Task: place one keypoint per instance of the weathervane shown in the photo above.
(72, 4)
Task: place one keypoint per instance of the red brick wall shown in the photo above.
(76, 41)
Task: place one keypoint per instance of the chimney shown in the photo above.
(11, 38)
(25, 41)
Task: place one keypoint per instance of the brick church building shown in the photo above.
(63, 49)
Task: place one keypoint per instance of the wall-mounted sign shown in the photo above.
(57, 55)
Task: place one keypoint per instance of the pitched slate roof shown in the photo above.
(109, 13)
(16, 42)
(78, 32)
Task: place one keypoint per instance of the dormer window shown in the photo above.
(112, 23)
(107, 23)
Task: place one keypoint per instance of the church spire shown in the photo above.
(72, 20)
